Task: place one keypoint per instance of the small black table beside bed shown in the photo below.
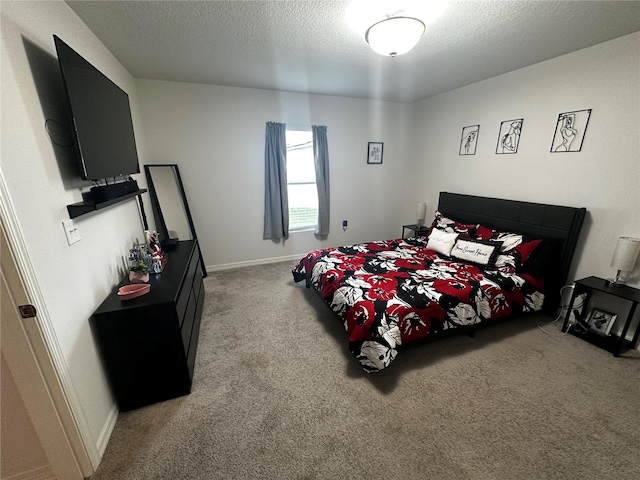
(614, 344)
(416, 229)
(388, 294)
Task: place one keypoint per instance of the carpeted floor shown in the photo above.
(277, 395)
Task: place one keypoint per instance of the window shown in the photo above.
(301, 181)
(299, 155)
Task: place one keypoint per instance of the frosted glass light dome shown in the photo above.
(395, 35)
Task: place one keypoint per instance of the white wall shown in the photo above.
(216, 136)
(73, 280)
(604, 177)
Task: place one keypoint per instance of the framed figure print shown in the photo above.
(374, 153)
(570, 130)
(469, 140)
(509, 136)
(601, 322)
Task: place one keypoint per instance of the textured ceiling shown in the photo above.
(308, 46)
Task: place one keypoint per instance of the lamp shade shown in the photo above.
(626, 253)
(421, 212)
(395, 35)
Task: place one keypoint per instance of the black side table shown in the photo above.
(417, 229)
(612, 343)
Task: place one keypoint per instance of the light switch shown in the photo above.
(71, 231)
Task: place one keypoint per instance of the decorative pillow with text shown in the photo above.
(480, 252)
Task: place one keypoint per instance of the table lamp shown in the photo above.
(624, 257)
(421, 212)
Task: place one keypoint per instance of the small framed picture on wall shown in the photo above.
(509, 136)
(374, 152)
(469, 140)
(571, 128)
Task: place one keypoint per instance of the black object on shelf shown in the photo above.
(89, 205)
(612, 343)
(111, 191)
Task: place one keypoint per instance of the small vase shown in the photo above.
(138, 277)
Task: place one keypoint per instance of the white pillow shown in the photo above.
(441, 241)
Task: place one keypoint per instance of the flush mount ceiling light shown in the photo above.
(393, 27)
(394, 35)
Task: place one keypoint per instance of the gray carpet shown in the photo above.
(277, 395)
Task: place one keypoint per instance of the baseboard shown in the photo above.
(39, 473)
(107, 430)
(251, 263)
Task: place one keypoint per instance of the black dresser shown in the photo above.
(149, 343)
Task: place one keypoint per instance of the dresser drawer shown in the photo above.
(197, 282)
(185, 292)
(195, 332)
(187, 323)
(193, 266)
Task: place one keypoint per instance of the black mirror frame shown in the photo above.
(157, 211)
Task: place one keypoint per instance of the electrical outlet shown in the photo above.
(344, 225)
(71, 231)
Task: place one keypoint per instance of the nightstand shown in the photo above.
(417, 229)
(612, 343)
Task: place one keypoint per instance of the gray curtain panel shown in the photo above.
(321, 160)
(276, 205)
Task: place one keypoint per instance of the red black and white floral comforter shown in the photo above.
(390, 293)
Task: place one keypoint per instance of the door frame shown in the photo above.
(35, 358)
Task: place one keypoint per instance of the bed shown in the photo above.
(483, 260)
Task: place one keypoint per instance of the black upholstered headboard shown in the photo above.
(537, 219)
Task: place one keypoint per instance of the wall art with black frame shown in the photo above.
(469, 140)
(374, 152)
(571, 128)
(509, 136)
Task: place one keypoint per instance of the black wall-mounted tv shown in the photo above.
(103, 129)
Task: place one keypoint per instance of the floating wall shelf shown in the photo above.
(88, 206)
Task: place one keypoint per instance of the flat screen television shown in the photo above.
(103, 129)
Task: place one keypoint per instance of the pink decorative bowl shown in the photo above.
(133, 291)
